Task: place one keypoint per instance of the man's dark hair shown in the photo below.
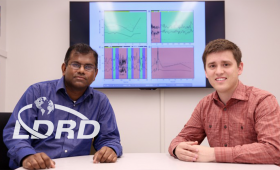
(82, 49)
(220, 45)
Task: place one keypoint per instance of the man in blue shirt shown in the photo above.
(54, 119)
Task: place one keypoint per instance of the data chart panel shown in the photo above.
(150, 44)
(172, 63)
(125, 63)
(172, 27)
(125, 26)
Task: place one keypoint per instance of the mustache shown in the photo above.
(80, 75)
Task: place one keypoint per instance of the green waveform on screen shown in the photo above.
(177, 27)
(125, 27)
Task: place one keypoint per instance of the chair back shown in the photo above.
(4, 159)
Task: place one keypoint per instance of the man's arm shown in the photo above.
(192, 134)
(265, 151)
(107, 142)
(20, 149)
(267, 127)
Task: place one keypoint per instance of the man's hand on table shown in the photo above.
(205, 154)
(192, 152)
(38, 161)
(185, 151)
(105, 155)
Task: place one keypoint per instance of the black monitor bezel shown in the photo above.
(79, 27)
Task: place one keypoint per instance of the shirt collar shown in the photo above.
(61, 86)
(239, 93)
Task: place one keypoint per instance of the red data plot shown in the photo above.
(125, 63)
(155, 27)
(108, 63)
(172, 63)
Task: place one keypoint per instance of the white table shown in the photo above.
(149, 161)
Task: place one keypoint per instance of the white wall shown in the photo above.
(3, 55)
(38, 37)
(2, 81)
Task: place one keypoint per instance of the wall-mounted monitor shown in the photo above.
(144, 44)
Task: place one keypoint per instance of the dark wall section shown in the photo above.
(214, 22)
(79, 22)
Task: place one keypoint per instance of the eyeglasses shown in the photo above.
(77, 66)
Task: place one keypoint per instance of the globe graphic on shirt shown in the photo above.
(44, 105)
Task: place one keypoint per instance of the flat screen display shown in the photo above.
(144, 44)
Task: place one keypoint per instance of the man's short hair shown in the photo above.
(220, 45)
(82, 49)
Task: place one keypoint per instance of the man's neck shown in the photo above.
(226, 96)
(74, 94)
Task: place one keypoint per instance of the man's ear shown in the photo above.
(96, 72)
(63, 68)
(240, 68)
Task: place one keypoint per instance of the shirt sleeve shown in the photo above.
(19, 148)
(267, 127)
(109, 134)
(192, 131)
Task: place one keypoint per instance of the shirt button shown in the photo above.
(225, 109)
(225, 126)
(210, 126)
(65, 151)
(225, 145)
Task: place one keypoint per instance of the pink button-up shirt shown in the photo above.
(245, 130)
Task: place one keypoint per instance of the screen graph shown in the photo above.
(125, 63)
(125, 26)
(172, 63)
(172, 27)
(148, 44)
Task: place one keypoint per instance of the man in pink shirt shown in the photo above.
(241, 123)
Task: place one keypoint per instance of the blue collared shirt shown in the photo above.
(44, 97)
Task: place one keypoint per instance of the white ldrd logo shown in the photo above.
(60, 129)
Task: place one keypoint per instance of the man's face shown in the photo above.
(79, 79)
(222, 71)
